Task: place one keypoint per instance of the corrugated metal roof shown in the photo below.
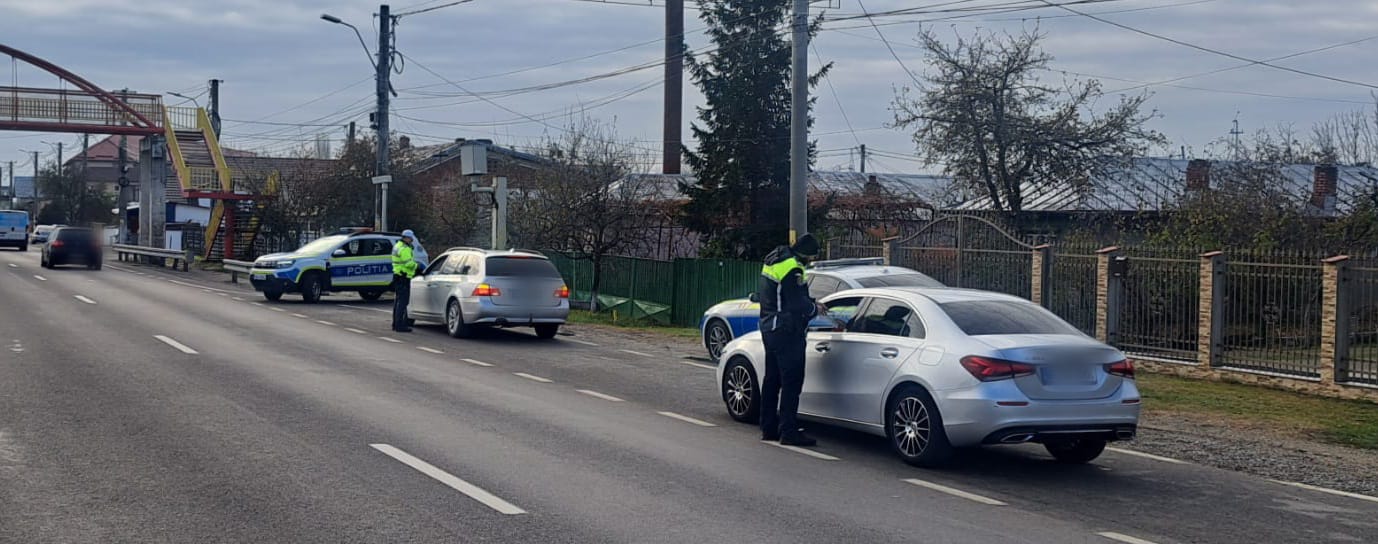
(935, 190)
(434, 155)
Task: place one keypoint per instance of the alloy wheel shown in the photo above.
(452, 317)
(718, 337)
(739, 391)
(911, 428)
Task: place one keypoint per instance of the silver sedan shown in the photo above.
(938, 369)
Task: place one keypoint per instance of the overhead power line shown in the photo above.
(424, 10)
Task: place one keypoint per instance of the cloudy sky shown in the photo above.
(290, 76)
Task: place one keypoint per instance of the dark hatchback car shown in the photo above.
(72, 245)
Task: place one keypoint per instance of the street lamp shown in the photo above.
(333, 19)
(191, 98)
(380, 115)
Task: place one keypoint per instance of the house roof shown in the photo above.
(920, 187)
(431, 156)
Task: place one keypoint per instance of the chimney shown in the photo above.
(872, 186)
(1198, 175)
(404, 142)
(1325, 186)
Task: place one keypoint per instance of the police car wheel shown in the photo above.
(272, 296)
(716, 337)
(454, 321)
(311, 288)
(741, 391)
(371, 294)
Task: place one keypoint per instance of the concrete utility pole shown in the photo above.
(674, 85)
(153, 190)
(350, 138)
(798, 124)
(122, 203)
(215, 107)
(33, 190)
(381, 117)
(863, 158)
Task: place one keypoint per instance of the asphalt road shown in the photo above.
(140, 405)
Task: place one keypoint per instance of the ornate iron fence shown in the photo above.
(1072, 288)
(1159, 310)
(973, 252)
(1272, 317)
(1360, 364)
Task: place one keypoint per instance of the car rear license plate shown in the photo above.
(1068, 375)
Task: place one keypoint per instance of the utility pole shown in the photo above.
(381, 115)
(798, 123)
(59, 158)
(33, 190)
(350, 139)
(123, 183)
(863, 158)
(674, 85)
(215, 107)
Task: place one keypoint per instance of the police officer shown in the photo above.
(786, 310)
(403, 269)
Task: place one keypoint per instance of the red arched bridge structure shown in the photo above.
(182, 137)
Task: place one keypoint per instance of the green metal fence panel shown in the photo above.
(701, 283)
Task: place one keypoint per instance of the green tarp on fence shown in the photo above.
(675, 292)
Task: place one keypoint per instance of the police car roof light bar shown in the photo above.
(863, 261)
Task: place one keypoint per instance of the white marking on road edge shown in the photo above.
(1148, 456)
(1328, 490)
(180, 346)
(570, 339)
(687, 419)
(474, 492)
(596, 394)
(389, 339)
(324, 322)
(955, 492)
(39, 278)
(532, 377)
(84, 299)
(476, 362)
(355, 331)
(1124, 538)
(303, 316)
(429, 350)
(636, 353)
(700, 365)
(362, 308)
(805, 451)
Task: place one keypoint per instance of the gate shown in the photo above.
(969, 251)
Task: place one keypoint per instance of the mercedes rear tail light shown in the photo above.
(988, 369)
(1123, 369)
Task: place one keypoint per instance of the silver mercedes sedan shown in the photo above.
(937, 369)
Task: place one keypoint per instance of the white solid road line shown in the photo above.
(576, 341)
(1327, 490)
(39, 278)
(598, 395)
(326, 323)
(1124, 538)
(476, 362)
(636, 353)
(472, 491)
(363, 308)
(532, 377)
(429, 350)
(84, 299)
(180, 346)
(700, 365)
(1148, 456)
(389, 339)
(355, 331)
(687, 419)
(805, 451)
(955, 492)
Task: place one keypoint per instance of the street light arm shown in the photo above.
(333, 19)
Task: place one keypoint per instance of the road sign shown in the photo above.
(379, 180)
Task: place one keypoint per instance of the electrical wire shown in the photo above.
(889, 47)
(419, 11)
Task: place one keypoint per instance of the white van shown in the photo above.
(14, 229)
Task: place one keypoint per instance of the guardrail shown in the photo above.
(125, 250)
(235, 268)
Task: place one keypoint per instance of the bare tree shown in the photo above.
(993, 125)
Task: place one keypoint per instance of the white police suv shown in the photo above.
(358, 260)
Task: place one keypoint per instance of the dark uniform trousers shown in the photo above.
(783, 382)
(401, 287)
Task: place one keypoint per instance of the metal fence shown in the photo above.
(1158, 312)
(701, 283)
(1360, 364)
(969, 252)
(1071, 290)
(1272, 317)
(634, 288)
(854, 245)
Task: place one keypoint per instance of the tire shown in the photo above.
(915, 428)
(94, 266)
(716, 335)
(546, 331)
(272, 296)
(454, 321)
(371, 294)
(1077, 451)
(311, 288)
(45, 262)
(741, 392)
(24, 247)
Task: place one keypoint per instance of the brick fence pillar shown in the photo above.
(887, 249)
(1210, 334)
(1108, 289)
(1042, 265)
(1334, 318)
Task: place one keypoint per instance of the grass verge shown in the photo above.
(644, 325)
(1344, 422)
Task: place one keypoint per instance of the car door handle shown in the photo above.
(889, 353)
(821, 347)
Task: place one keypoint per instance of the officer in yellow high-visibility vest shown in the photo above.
(786, 310)
(403, 269)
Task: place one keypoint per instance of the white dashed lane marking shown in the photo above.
(180, 346)
(84, 299)
(1124, 538)
(355, 331)
(368, 309)
(636, 353)
(804, 451)
(955, 492)
(687, 419)
(303, 316)
(279, 310)
(700, 365)
(532, 377)
(389, 339)
(429, 350)
(12, 265)
(472, 491)
(476, 362)
(326, 323)
(598, 395)
(39, 278)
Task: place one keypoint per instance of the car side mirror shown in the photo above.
(339, 253)
(752, 297)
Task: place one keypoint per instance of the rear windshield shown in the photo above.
(73, 235)
(524, 267)
(899, 280)
(986, 317)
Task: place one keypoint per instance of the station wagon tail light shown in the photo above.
(485, 290)
(987, 369)
(562, 292)
(1123, 369)
(58, 243)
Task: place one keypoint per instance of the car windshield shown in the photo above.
(320, 245)
(988, 317)
(528, 267)
(73, 235)
(899, 280)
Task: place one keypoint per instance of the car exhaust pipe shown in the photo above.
(1017, 438)
(1124, 434)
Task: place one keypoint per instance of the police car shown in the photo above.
(357, 260)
